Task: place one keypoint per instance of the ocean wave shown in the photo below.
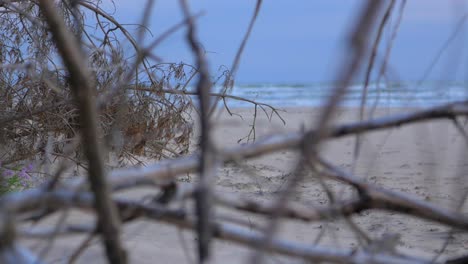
(392, 94)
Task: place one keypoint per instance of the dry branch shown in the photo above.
(102, 101)
(311, 143)
(180, 218)
(208, 157)
(166, 170)
(82, 88)
(231, 76)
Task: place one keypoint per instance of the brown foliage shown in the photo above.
(34, 87)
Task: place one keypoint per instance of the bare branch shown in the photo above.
(207, 158)
(83, 90)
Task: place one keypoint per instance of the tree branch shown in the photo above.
(82, 88)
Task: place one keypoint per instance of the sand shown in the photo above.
(425, 160)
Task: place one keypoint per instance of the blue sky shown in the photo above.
(302, 41)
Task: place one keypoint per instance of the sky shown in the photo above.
(304, 41)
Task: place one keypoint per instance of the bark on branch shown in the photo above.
(82, 87)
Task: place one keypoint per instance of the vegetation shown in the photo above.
(37, 115)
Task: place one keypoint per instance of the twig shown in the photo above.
(222, 231)
(369, 69)
(166, 170)
(31, 113)
(207, 157)
(383, 67)
(220, 95)
(84, 244)
(51, 238)
(311, 143)
(444, 46)
(293, 211)
(82, 88)
(231, 76)
(379, 198)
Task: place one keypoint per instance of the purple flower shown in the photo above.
(29, 167)
(8, 173)
(23, 174)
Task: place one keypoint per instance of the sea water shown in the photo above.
(313, 95)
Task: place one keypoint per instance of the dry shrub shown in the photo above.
(36, 107)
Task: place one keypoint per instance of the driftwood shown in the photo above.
(94, 192)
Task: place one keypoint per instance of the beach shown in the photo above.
(425, 160)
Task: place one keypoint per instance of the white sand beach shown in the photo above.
(425, 160)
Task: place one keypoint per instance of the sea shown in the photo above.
(383, 95)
